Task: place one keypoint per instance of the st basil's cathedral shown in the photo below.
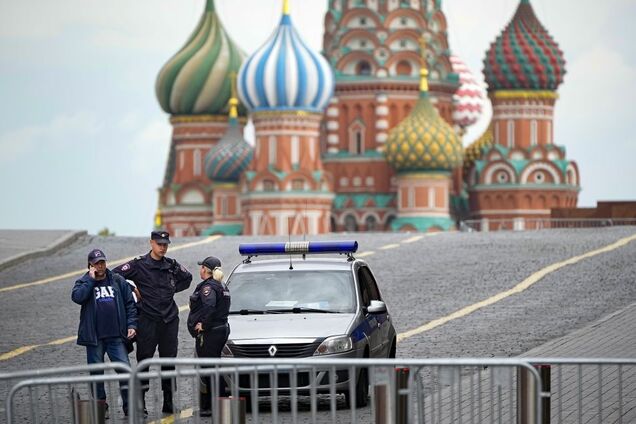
(365, 135)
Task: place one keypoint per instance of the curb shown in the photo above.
(57, 244)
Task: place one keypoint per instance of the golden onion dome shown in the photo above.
(423, 141)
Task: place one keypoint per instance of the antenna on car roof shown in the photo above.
(305, 225)
(291, 266)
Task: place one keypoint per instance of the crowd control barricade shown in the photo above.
(314, 390)
(508, 390)
(63, 395)
(584, 390)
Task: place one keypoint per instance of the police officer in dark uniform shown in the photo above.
(207, 321)
(158, 278)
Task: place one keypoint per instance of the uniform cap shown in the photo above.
(211, 262)
(161, 237)
(95, 256)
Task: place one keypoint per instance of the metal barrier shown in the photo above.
(585, 390)
(400, 391)
(311, 389)
(524, 224)
(47, 395)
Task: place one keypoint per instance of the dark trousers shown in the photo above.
(209, 344)
(152, 333)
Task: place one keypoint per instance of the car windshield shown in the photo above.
(292, 291)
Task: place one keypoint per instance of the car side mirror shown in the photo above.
(377, 307)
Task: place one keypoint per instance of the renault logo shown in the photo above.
(272, 350)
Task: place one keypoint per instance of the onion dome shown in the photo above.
(477, 148)
(423, 141)
(524, 56)
(196, 79)
(227, 160)
(285, 74)
(469, 97)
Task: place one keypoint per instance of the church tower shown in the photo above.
(286, 86)
(423, 149)
(373, 47)
(521, 173)
(194, 88)
(224, 165)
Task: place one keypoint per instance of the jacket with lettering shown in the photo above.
(157, 281)
(83, 294)
(209, 305)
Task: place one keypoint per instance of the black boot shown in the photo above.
(206, 405)
(168, 407)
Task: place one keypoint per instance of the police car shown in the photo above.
(307, 305)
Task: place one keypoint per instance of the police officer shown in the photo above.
(158, 278)
(207, 321)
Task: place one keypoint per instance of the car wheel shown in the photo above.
(362, 390)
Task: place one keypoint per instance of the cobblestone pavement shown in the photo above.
(421, 281)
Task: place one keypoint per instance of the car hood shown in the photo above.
(305, 325)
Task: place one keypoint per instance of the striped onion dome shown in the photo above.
(196, 79)
(423, 141)
(285, 74)
(477, 148)
(232, 154)
(524, 56)
(469, 97)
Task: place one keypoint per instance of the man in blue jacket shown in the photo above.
(107, 318)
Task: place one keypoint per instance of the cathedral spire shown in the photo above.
(423, 67)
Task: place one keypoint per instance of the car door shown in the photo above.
(372, 322)
(383, 320)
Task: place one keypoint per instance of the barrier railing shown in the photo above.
(52, 394)
(312, 390)
(507, 390)
(524, 224)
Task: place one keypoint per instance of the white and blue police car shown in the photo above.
(308, 306)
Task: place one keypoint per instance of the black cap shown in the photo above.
(161, 237)
(95, 256)
(210, 262)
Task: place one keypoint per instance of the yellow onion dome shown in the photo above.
(423, 141)
(478, 147)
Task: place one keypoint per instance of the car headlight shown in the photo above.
(226, 352)
(335, 344)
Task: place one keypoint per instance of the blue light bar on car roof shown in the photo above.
(298, 247)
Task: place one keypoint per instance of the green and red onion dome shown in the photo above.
(196, 80)
(524, 56)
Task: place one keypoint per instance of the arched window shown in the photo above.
(403, 68)
(389, 221)
(371, 223)
(363, 68)
(358, 143)
(350, 223)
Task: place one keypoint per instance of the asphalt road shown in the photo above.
(421, 281)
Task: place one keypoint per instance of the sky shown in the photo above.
(83, 141)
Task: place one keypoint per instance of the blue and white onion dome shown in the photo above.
(284, 74)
